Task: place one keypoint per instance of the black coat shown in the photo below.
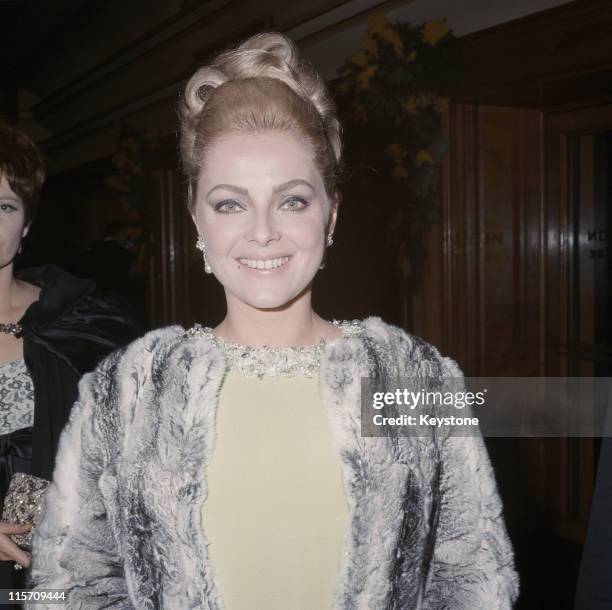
(65, 334)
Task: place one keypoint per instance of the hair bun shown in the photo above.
(268, 56)
(276, 44)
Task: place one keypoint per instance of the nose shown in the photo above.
(262, 229)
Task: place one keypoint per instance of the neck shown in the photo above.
(15, 295)
(8, 292)
(295, 324)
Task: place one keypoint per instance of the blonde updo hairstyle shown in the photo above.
(260, 85)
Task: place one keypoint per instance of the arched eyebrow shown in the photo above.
(277, 189)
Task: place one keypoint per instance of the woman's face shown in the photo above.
(12, 223)
(262, 210)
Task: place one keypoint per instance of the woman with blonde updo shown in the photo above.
(225, 467)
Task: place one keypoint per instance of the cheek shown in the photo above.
(214, 232)
(307, 233)
(11, 227)
(221, 237)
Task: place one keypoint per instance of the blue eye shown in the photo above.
(293, 208)
(228, 207)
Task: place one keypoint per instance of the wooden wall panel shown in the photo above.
(172, 259)
(488, 251)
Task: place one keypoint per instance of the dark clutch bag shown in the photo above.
(23, 503)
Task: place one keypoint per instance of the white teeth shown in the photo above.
(261, 264)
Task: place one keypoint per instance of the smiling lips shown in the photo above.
(267, 264)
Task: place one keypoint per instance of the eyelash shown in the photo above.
(4, 206)
(221, 204)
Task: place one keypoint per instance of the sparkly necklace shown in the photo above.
(275, 361)
(11, 329)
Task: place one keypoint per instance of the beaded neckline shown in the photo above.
(11, 328)
(276, 361)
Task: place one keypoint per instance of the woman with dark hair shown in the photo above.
(53, 328)
(225, 467)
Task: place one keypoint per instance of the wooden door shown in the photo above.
(520, 286)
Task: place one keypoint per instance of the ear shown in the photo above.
(26, 230)
(333, 213)
(192, 203)
(192, 211)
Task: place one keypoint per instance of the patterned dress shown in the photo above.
(16, 397)
(16, 421)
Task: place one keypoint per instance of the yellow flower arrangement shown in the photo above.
(398, 172)
(439, 102)
(392, 87)
(365, 76)
(395, 151)
(411, 56)
(414, 103)
(391, 36)
(377, 23)
(434, 31)
(370, 45)
(410, 105)
(423, 156)
(360, 59)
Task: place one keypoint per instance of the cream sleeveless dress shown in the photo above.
(275, 514)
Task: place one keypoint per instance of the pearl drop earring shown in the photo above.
(201, 245)
(330, 241)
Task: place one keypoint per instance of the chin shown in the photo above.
(265, 301)
(6, 260)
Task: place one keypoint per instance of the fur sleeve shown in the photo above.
(473, 563)
(74, 548)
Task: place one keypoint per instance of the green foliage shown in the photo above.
(390, 99)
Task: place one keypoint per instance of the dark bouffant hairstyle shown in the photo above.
(22, 166)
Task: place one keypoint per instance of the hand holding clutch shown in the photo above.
(9, 551)
(24, 504)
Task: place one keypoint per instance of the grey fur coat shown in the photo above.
(122, 527)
